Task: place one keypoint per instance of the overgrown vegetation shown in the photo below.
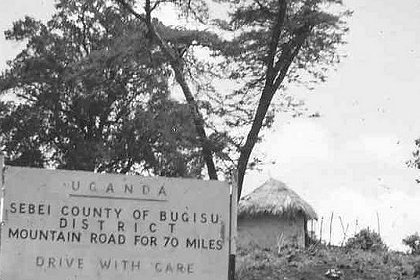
(366, 240)
(364, 256)
(413, 242)
(313, 263)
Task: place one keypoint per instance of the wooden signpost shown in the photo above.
(80, 225)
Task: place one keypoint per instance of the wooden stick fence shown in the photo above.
(346, 232)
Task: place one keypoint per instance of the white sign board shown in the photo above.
(81, 225)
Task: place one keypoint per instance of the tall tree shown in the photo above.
(91, 95)
(274, 41)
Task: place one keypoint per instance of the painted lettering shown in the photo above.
(59, 262)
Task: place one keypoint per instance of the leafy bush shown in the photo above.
(299, 264)
(413, 242)
(366, 240)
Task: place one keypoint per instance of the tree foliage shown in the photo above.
(92, 96)
(278, 41)
(272, 42)
(97, 79)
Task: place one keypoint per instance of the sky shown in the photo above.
(351, 160)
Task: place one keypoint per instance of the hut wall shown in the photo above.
(269, 231)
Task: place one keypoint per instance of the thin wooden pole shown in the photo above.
(356, 226)
(320, 230)
(344, 230)
(312, 229)
(379, 225)
(233, 226)
(332, 216)
(2, 167)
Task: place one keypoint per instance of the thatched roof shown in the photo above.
(274, 198)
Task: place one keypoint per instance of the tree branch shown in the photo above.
(131, 10)
(178, 66)
(155, 5)
(278, 70)
(272, 47)
(285, 68)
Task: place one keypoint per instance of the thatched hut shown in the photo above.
(272, 216)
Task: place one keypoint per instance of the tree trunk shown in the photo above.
(177, 65)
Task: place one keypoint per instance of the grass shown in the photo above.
(313, 263)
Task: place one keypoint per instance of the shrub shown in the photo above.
(413, 242)
(366, 240)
